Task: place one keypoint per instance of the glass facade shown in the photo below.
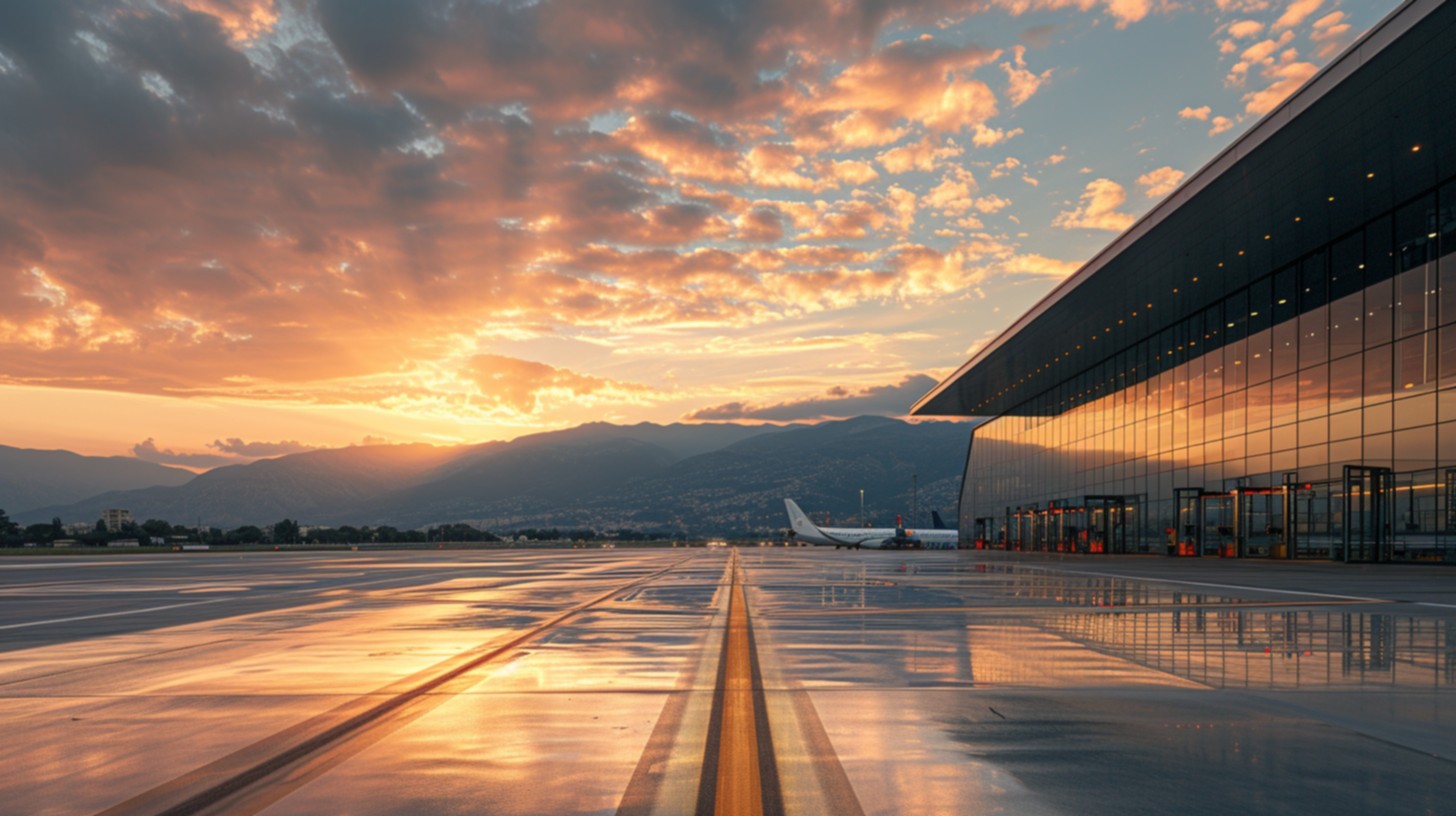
(1310, 413)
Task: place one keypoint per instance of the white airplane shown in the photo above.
(874, 538)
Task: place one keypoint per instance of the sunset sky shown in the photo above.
(232, 229)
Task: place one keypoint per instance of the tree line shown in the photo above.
(289, 531)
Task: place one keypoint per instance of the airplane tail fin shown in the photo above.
(800, 522)
(936, 520)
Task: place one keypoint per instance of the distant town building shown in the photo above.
(115, 519)
(79, 528)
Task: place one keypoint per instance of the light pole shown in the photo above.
(861, 508)
(914, 499)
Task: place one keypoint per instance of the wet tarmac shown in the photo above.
(561, 681)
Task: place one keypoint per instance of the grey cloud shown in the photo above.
(838, 402)
(19, 244)
(238, 447)
(382, 39)
(149, 451)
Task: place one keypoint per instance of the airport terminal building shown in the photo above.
(1265, 364)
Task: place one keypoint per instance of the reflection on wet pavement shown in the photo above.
(893, 683)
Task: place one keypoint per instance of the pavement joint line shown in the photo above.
(312, 747)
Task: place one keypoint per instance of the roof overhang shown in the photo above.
(1234, 220)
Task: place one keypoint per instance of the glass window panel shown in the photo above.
(1379, 311)
(1282, 462)
(1378, 449)
(1346, 316)
(1314, 431)
(1257, 469)
(1346, 425)
(1446, 359)
(1213, 418)
(1312, 459)
(1233, 448)
(1446, 444)
(1259, 356)
(1379, 250)
(1314, 391)
(1284, 400)
(1286, 348)
(1235, 366)
(1347, 266)
(1347, 452)
(1378, 370)
(1233, 412)
(1412, 313)
(1378, 418)
(1415, 232)
(1313, 288)
(1415, 363)
(1213, 381)
(1256, 443)
(1446, 405)
(1261, 301)
(1415, 411)
(1314, 337)
(1195, 379)
(1259, 400)
(1285, 305)
(1347, 382)
(1236, 315)
(1447, 218)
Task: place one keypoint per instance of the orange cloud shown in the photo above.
(1022, 84)
(1097, 208)
(522, 385)
(1161, 181)
(925, 155)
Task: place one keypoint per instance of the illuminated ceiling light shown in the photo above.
(1283, 301)
(1415, 149)
(1298, 219)
(1430, 235)
(1220, 264)
(1370, 175)
(1332, 198)
(1150, 305)
(1195, 280)
(1230, 325)
(1241, 252)
(1267, 237)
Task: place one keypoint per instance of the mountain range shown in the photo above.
(715, 479)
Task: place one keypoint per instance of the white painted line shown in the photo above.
(110, 614)
(1147, 579)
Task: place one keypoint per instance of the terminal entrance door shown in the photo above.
(1367, 514)
(1263, 515)
(1216, 531)
(1106, 524)
(1189, 530)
